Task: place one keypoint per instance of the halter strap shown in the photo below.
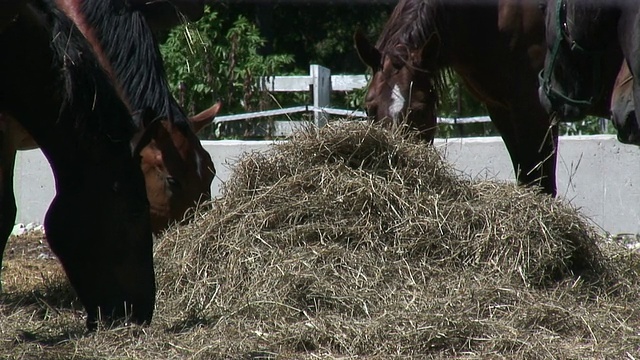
(545, 74)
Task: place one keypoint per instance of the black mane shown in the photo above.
(90, 98)
(131, 49)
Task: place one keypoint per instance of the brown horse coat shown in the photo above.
(495, 46)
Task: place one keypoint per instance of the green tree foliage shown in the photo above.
(217, 58)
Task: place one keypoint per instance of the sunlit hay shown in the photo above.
(353, 240)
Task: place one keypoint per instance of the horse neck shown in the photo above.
(89, 88)
(126, 48)
(461, 43)
(61, 96)
(414, 22)
(24, 94)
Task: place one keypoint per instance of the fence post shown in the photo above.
(321, 81)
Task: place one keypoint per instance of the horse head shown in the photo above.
(582, 49)
(178, 171)
(403, 87)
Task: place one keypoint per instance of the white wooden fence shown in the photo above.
(320, 83)
(595, 173)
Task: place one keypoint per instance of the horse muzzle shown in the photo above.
(628, 128)
(566, 112)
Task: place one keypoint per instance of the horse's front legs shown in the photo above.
(531, 144)
(8, 208)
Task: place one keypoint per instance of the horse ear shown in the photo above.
(369, 55)
(146, 128)
(205, 118)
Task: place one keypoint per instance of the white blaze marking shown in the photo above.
(397, 103)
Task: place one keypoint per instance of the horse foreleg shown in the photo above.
(8, 208)
(531, 144)
(538, 151)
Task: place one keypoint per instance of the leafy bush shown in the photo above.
(217, 58)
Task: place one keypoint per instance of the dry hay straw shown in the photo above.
(356, 242)
(353, 240)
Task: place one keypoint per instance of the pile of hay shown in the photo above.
(353, 240)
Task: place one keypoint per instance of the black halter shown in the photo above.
(545, 74)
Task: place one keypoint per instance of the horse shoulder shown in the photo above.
(522, 23)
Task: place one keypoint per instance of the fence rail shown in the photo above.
(320, 83)
(594, 172)
(290, 110)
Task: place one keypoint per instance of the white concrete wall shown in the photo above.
(596, 173)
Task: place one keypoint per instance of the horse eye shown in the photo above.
(173, 182)
(398, 61)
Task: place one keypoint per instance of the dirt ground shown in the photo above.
(28, 262)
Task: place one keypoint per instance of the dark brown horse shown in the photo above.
(587, 42)
(98, 222)
(495, 46)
